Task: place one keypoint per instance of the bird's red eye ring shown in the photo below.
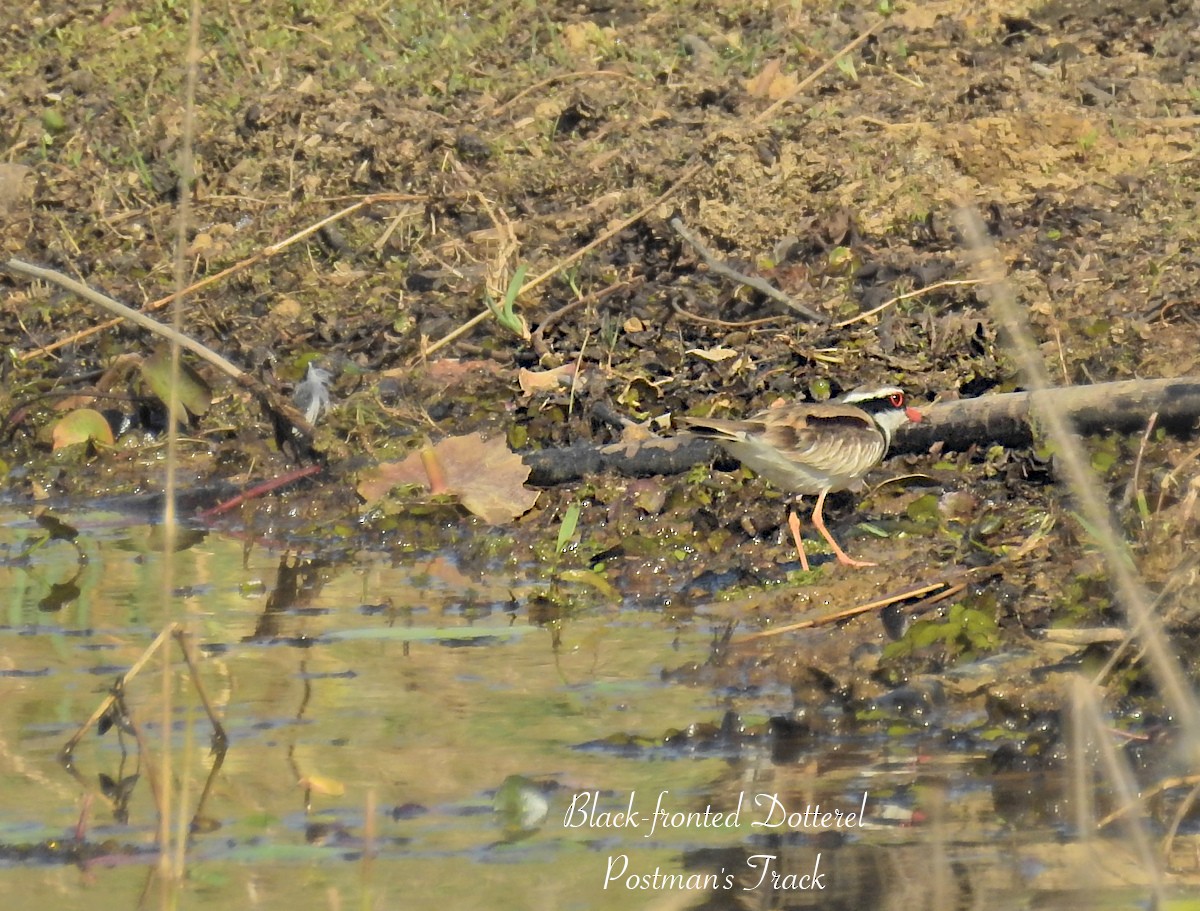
(896, 399)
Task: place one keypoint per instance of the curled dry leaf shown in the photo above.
(532, 381)
(714, 355)
(484, 475)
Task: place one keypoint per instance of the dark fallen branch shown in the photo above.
(671, 455)
(1007, 419)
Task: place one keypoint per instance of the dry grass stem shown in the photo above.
(1090, 738)
(566, 261)
(1081, 481)
(693, 167)
(907, 295)
(263, 254)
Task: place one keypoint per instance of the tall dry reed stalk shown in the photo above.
(1141, 622)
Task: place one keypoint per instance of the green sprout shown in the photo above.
(503, 312)
(566, 530)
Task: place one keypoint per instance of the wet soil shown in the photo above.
(430, 152)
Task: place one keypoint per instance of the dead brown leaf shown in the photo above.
(485, 476)
(375, 483)
(532, 381)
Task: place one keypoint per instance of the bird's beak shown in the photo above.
(913, 415)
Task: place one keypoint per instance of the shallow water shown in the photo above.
(410, 691)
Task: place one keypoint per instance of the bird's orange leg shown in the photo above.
(794, 525)
(819, 522)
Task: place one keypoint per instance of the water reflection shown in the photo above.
(422, 728)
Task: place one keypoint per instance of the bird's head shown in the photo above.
(887, 406)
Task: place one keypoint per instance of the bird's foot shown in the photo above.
(842, 557)
(794, 527)
(847, 560)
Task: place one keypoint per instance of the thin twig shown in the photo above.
(1062, 356)
(1169, 479)
(1136, 480)
(753, 281)
(538, 338)
(929, 595)
(723, 323)
(907, 295)
(562, 77)
(1173, 583)
(694, 166)
(264, 253)
(64, 755)
(579, 254)
(1181, 813)
(134, 316)
(275, 401)
(258, 490)
(847, 613)
(577, 373)
(816, 74)
(219, 738)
